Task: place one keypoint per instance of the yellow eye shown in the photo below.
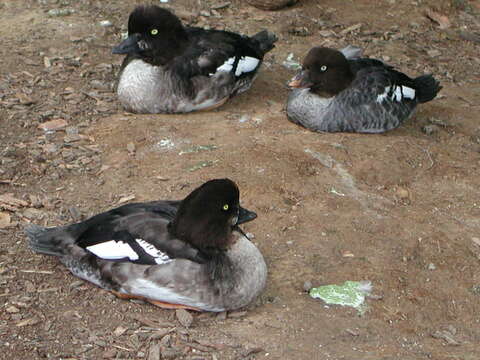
(225, 207)
(154, 31)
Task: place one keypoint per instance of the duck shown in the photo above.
(188, 253)
(341, 91)
(172, 68)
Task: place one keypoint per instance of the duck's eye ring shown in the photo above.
(323, 68)
(225, 207)
(154, 31)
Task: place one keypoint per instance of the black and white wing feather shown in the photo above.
(135, 232)
(378, 100)
(213, 51)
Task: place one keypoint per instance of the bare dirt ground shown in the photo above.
(400, 209)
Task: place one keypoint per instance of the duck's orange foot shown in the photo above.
(165, 305)
(217, 105)
(126, 296)
(158, 303)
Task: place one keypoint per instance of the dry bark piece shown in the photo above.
(440, 19)
(8, 202)
(465, 35)
(154, 352)
(28, 322)
(184, 317)
(119, 331)
(53, 125)
(5, 220)
(271, 4)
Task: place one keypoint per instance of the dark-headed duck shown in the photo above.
(172, 68)
(188, 253)
(340, 91)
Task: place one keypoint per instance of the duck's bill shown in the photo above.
(128, 46)
(245, 215)
(300, 81)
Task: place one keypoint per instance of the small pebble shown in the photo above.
(106, 23)
(434, 53)
(430, 129)
(60, 12)
(307, 285)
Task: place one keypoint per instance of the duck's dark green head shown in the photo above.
(325, 71)
(154, 34)
(207, 216)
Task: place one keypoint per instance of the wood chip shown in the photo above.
(28, 322)
(154, 352)
(476, 241)
(212, 345)
(221, 6)
(46, 62)
(465, 35)
(5, 220)
(12, 309)
(8, 202)
(119, 331)
(351, 332)
(125, 199)
(159, 334)
(184, 317)
(199, 347)
(351, 29)
(131, 148)
(150, 323)
(251, 351)
(447, 336)
(34, 271)
(442, 21)
(109, 354)
(53, 125)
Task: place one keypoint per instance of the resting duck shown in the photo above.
(171, 68)
(340, 91)
(175, 254)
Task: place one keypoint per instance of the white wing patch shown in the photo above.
(246, 64)
(398, 93)
(113, 250)
(227, 66)
(159, 256)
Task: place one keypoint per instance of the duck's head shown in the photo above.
(325, 71)
(209, 214)
(154, 34)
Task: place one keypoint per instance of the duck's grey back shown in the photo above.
(350, 111)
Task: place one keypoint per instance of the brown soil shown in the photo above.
(400, 209)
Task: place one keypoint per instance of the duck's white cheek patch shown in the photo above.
(159, 256)
(245, 64)
(113, 250)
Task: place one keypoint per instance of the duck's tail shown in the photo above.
(266, 40)
(427, 87)
(48, 241)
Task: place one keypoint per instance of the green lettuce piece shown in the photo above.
(350, 293)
